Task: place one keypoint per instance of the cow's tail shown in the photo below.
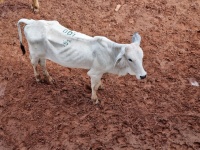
(26, 21)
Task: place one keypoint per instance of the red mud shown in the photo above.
(160, 112)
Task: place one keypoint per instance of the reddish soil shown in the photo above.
(161, 112)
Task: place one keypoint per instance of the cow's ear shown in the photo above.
(120, 55)
(136, 38)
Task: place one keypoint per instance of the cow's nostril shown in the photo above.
(143, 77)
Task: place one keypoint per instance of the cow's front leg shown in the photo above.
(95, 83)
(94, 86)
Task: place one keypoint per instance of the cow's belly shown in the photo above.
(72, 63)
(73, 57)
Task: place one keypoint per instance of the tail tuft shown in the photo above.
(22, 48)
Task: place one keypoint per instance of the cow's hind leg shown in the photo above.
(34, 62)
(45, 72)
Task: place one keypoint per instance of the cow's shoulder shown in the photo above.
(104, 41)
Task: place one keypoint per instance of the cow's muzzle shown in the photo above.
(143, 77)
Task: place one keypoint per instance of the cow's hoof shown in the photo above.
(95, 100)
(52, 81)
(38, 78)
(49, 79)
(101, 87)
(35, 10)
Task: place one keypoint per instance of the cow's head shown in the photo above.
(131, 56)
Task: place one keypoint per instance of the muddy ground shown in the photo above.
(161, 112)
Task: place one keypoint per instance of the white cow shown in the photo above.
(50, 40)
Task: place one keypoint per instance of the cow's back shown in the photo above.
(69, 48)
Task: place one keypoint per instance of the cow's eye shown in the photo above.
(130, 59)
